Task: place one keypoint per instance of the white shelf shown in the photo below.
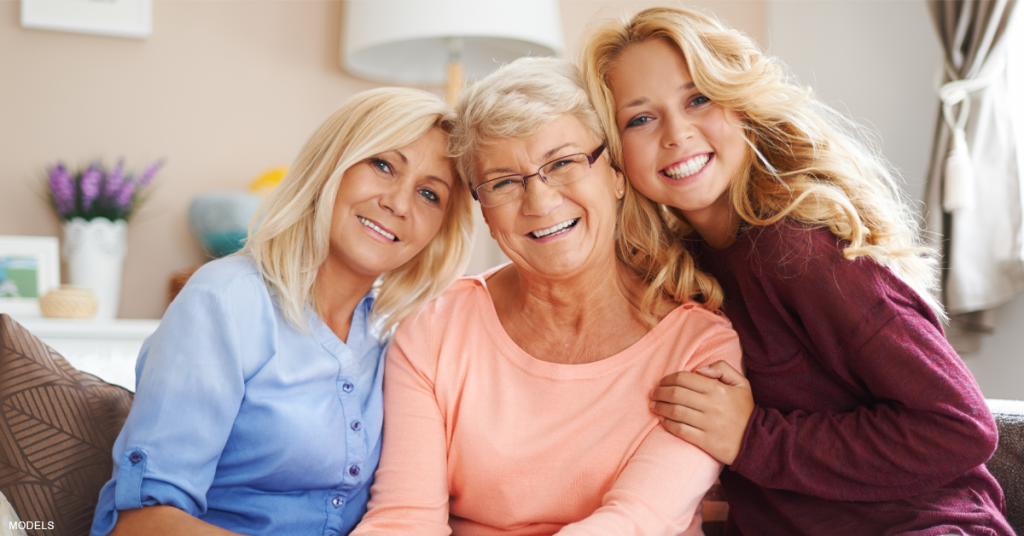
(119, 329)
(105, 348)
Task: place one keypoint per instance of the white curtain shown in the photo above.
(974, 198)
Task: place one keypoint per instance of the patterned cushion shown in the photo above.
(57, 428)
(1007, 464)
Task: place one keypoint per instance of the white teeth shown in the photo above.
(689, 167)
(370, 224)
(554, 228)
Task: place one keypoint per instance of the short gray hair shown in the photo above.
(516, 101)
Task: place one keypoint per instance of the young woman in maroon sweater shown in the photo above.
(856, 416)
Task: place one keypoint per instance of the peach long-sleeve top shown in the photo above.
(480, 438)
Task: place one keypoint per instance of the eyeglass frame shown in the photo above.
(591, 158)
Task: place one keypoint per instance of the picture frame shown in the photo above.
(29, 268)
(121, 18)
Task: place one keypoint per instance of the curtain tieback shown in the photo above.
(958, 183)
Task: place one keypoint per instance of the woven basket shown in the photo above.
(69, 302)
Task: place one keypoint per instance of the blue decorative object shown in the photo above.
(220, 220)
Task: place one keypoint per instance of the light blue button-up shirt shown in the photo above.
(245, 422)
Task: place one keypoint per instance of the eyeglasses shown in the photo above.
(563, 170)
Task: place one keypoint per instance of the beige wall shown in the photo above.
(222, 90)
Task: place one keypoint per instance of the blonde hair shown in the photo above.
(806, 161)
(516, 101)
(289, 236)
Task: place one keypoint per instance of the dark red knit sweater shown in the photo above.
(867, 422)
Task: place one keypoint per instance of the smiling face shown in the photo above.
(390, 206)
(678, 147)
(552, 231)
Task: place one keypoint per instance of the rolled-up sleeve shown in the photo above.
(190, 384)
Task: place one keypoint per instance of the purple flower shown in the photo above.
(114, 181)
(63, 189)
(91, 185)
(124, 197)
(97, 191)
(149, 173)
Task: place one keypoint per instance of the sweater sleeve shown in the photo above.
(662, 484)
(410, 490)
(922, 420)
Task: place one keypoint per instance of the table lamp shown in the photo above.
(412, 42)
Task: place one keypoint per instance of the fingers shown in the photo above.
(685, 431)
(709, 372)
(682, 396)
(709, 407)
(675, 412)
(689, 380)
(723, 372)
(674, 395)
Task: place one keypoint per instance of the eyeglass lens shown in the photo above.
(562, 171)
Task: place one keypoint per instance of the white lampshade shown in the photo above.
(407, 41)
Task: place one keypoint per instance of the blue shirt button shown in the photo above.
(354, 470)
(357, 426)
(337, 501)
(135, 457)
(347, 387)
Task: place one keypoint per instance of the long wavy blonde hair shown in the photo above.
(805, 161)
(289, 236)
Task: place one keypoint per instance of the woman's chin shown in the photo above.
(559, 264)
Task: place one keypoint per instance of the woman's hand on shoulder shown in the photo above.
(709, 407)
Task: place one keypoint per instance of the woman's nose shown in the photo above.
(676, 130)
(396, 200)
(540, 197)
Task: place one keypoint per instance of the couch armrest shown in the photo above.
(1007, 464)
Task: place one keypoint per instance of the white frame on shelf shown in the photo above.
(45, 250)
(122, 18)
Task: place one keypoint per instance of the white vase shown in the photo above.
(94, 250)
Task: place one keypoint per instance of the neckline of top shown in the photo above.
(564, 371)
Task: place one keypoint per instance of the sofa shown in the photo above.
(58, 426)
(1007, 464)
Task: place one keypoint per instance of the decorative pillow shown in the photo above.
(1007, 464)
(57, 429)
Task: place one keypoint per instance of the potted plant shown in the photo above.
(95, 204)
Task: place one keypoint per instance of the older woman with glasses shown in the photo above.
(517, 402)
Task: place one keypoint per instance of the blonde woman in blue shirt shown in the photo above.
(258, 407)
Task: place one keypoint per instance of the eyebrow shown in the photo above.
(552, 152)
(546, 157)
(402, 156)
(440, 180)
(644, 100)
